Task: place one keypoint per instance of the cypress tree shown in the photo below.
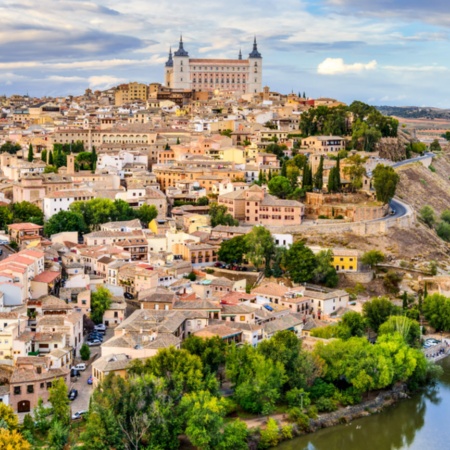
(284, 169)
(405, 301)
(30, 153)
(178, 141)
(269, 175)
(332, 181)
(318, 177)
(338, 174)
(50, 158)
(425, 291)
(44, 155)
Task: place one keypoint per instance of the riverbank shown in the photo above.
(346, 415)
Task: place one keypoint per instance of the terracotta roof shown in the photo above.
(274, 289)
(47, 276)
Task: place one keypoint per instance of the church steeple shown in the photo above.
(169, 62)
(181, 51)
(240, 54)
(255, 53)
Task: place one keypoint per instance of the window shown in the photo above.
(30, 389)
(49, 385)
(242, 318)
(17, 390)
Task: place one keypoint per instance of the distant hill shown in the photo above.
(415, 112)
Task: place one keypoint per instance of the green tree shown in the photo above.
(233, 250)
(211, 352)
(325, 273)
(146, 213)
(30, 153)
(50, 158)
(372, 258)
(100, 301)
(8, 419)
(377, 311)
(44, 155)
(392, 280)
(270, 436)
(6, 216)
(409, 329)
(41, 414)
(385, 180)
(427, 216)
(203, 414)
(260, 246)
(436, 309)
(307, 179)
(85, 160)
(122, 210)
(351, 324)
(280, 187)
(10, 147)
(96, 211)
(443, 231)
(27, 212)
(219, 216)
(85, 352)
(234, 436)
(318, 177)
(58, 397)
(355, 170)
(300, 262)
(50, 169)
(65, 221)
(435, 146)
(58, 435)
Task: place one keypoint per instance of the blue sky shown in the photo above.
(379, 51)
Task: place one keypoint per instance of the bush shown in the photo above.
(324, 404)
(348, 397)
(321, 389)
(287, 432)
(296, 416)
(432, 168)
(340, 216)
(191, 276)
(298, 397)
(269, 436)
(209, 271)
(312, 412)
(85, 352)
(322, 217)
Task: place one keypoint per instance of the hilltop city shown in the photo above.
(217, 250)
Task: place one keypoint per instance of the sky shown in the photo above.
(383, 52)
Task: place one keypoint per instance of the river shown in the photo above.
(419, 423)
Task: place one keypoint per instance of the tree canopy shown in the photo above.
(65, 221)
(233, 250)
(100, 301)
(385, 180)
(220, 216)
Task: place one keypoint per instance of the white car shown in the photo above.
(100, 327)
(81, 366)
(94, 342)
(79, 414)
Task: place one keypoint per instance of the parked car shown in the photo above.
(128, 296)
(79, 414)
(73, 394)
(100, 327)
(80, 366)
(74, 373)
(218, 264)
(94, 342)
(93, 337)
(90, 380)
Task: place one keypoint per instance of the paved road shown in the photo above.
(412, 160)
(399, 209)
(6, 252)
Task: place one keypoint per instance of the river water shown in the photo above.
(419, 423)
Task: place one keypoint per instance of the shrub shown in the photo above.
(287, 432)
(296, 416)
(298, 397)
(340, 216)
(321, 389)
(270, 435)
(209, 271)
(85, 352)
(312, 412)
(326, 404)
(191, 276)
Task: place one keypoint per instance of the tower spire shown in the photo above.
(240, 54)
(255, 53)
(181, 51)
(169, 62)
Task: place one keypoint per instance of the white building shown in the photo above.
(57, 201)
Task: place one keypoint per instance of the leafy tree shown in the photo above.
(427, 216)
(280, 186)
(234, 436)
(445, 216)
(226, 132)
(443, 231)
(325, 272)
(58, 397)
(391, 281)
(372, 258)
(409, 329)
(377, 311)
(100, 302)
(435, 146)
(10, 147)
(122, 210)
(146, 213)
(300, 262)
(219, 216)
(8, 418)
(318, 177)
(203, 201)
(260, 246)
(13, 440)
(292, 174)
(436, 309)
(41, 414)
(50, 169)
(6, 216)
(210, 351)
(385, 180)
(364, 136)
(85, 352)
(233, 250)
(355, 170)
(203, 414)
(30, 153)
(85, 160)
(58, 435)
(96, 211)
(270, 436)
(446, 135)
(352, 324)
(27, 212)
(65, 221)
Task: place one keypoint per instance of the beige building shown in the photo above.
(128, 93)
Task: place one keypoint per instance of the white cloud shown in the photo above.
(105, 81)
(336, 66)
(433, 68)
(62, 79)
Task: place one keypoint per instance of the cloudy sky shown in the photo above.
(385, 52)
